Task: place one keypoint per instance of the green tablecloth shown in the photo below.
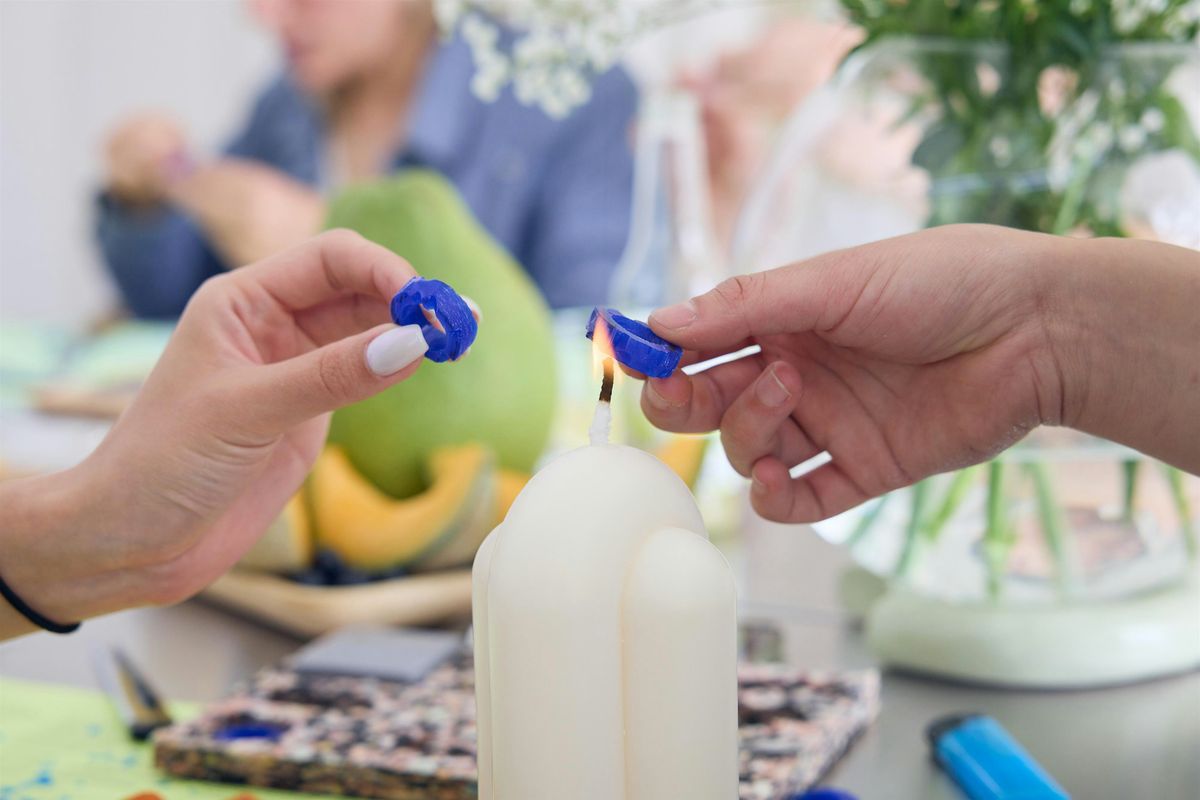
(62, 743)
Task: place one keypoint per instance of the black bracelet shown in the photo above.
(37, 619)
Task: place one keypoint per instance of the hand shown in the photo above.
(143, 155)
(746, 95)
(901, 358)
(250, 211)
(220, 436)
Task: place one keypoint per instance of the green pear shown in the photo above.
(503, 393)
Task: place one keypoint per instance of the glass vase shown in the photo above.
(921, 132)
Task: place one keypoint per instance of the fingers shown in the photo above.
(340, 318)
(290, 392)
(800, 297)
(818, 495)
(759, 422)
(696, 404)
(866, 463)
(346, 316)
(332, 265)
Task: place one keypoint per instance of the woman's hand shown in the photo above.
(143, 155)
(221, 435)
(933, 351)
(250, 211)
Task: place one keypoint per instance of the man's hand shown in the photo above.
(250, 211)
(901, 358)
(143, 155)
(933, 351)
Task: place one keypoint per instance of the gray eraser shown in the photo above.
(394, 654)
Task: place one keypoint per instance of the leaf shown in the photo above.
(1177, 127)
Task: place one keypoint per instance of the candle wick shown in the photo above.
(606, 385)
(602, 419)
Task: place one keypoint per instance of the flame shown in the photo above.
(602, 349)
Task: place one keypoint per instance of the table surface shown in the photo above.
(1137, 741)
(1134, 741)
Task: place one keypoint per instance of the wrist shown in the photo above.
(1122, 325)
(59, 552)
(1061, 281)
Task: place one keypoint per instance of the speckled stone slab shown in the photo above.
(365, 737)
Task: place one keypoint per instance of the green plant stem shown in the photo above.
(996, 540)
(919, 493)
(867, 523)
(1072, 199)
(1054, 527)
(1129, 470)
(1187, 528)
(950, 502)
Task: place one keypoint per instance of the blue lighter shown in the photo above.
(986, 762)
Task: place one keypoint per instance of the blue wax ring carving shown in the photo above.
(250, 730)
(458, 326)
(635, 345)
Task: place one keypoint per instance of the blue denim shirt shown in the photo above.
(557, 194)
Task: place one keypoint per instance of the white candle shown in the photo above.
(605, 639)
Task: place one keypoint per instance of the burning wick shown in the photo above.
(602, 420)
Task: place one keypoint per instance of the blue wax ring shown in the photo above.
(458, 325)
(250, 730)
(635, 345)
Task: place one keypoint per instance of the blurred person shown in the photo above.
(369, 88)
(220, 436)
(748, 93)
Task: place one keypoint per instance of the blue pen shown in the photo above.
(986, 762)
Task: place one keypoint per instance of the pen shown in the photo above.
(134, 698)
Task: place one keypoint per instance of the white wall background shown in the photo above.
(69, 70)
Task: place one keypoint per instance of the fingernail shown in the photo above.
(655, 398)
(393, 350)
(757, 486)
(676, 316)
(770, 390)
(475, 309)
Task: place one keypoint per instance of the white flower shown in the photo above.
(1001, 150)
(1098, 138)
(1128, 15)
(1131, 138)
(448, 13)
(559, 45)
(1153, 120)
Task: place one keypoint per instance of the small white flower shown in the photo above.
(1126, 17)
(1001, 149)
(1099, 137)
(1153, 120)
(559, 44)
(1131, 138)
(1116, 89)
(448, 13)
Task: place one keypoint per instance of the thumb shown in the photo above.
(789, 299)
(290, 392)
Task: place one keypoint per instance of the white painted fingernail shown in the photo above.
(471, 304)
(393, 350)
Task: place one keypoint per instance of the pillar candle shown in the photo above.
(605, 639)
